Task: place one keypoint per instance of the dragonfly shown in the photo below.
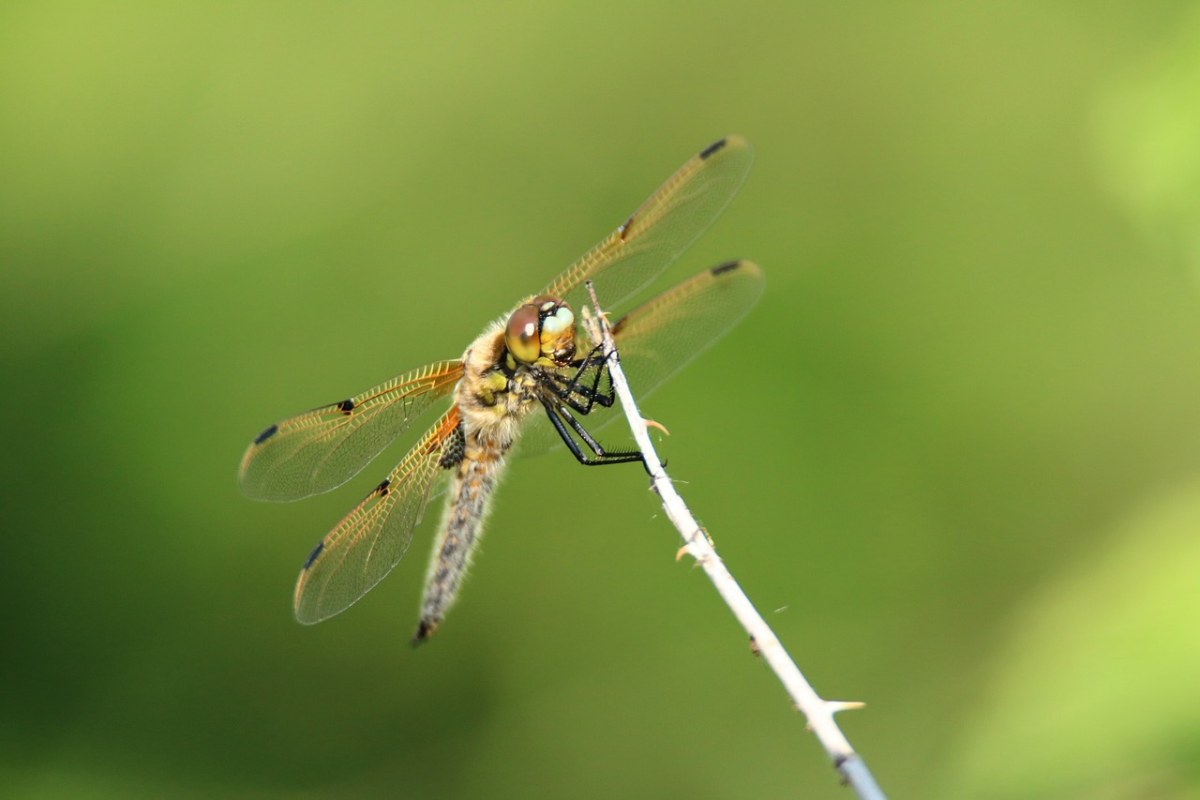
(535, 368)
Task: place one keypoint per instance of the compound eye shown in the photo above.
(561, 322)
(521, 337)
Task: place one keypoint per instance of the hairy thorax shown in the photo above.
(494, 400)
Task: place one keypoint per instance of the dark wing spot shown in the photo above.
(712, 148)
(382, 489)
(624, 229)
(267, 434)
(728, 266)
(346, 406)
(314, 554)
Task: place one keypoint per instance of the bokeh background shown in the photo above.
(954, 454)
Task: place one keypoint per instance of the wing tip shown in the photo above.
(739, 265)
(244, 481)
(267, 433)
(314, 555)
(306, 615)
(733, 141)
(715, 147)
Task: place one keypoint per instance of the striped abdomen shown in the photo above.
(475, 479)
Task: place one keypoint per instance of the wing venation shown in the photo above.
(321, 449)
(369, 541)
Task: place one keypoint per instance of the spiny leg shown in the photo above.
(562, 419)
(592, 395)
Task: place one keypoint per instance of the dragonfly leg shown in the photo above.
(564, 423)
(570, 391)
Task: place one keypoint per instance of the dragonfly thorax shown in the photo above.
(541, 331)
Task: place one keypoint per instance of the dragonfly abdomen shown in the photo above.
(475, 480)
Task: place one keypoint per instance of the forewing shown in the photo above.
(321, 449)
(662, 228)
(364, 547)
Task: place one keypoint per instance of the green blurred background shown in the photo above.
(954, 454)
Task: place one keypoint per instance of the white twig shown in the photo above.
(699, 546)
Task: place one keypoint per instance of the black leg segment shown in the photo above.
(564, 423)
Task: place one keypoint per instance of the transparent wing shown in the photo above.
(364, 547)
(659, 337)
(321, 449)
(662, 228)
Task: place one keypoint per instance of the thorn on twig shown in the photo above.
(835, 706)
(650, 423)
(687, 548)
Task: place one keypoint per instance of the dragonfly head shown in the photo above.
(542, 330)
